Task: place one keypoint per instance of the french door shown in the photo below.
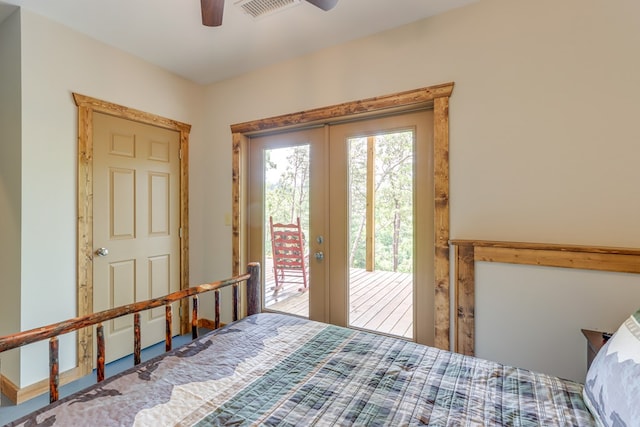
(364, 193)
(287, 182)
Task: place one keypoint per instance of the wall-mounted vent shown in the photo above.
(261, 8)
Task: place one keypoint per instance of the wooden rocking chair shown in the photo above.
(289, 257)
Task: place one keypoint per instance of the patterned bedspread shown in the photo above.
(273, 369)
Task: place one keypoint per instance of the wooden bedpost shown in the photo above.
(100, 352)
(54, 377)
(137, 339)
(194, 317)
(216, 321)
(168, 319)
(235, 292)
(253, 289)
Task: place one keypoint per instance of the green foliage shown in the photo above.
(393, 201)
(287, 196)
(286, 187)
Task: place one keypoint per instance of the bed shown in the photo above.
(274, 369)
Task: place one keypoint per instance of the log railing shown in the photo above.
(51, 332)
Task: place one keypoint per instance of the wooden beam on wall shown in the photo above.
(566, 258)
(465, 300)
(84, 273)
(402, 101)
(238, 194)
(442, 297)
(467, 252)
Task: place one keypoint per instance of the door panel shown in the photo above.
(159, 201)
(273, 159)
(121, 290)
(387, 295)
(137, 218)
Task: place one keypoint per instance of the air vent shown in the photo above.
(261, 8)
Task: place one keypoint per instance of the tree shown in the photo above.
(393, 190)
(287, 186)
(394, 201)
(358, 199)
(287, 196)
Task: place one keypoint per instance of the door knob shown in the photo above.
(102, 252)
(319, 255)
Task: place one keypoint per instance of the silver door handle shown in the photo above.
(319, 255)
(102, 252)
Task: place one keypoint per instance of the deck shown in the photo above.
(380, 300)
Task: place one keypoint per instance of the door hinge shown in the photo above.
(180, 232)
(180, 154)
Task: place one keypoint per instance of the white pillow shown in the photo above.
(612, 388)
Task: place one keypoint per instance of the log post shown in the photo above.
(254, 297)
(465, 299)
(137, 345)
(216, 320)
(100, 353)
(168, 316)
(54, 378)
(194, 318)
(236, 302)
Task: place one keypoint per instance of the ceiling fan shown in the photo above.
(212, 9)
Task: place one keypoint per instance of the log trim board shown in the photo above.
(432, 97)
(442, 296)
(467, 252)
(86, 107)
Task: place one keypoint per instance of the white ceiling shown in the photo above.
(169, 33)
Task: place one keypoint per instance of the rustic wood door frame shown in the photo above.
(86, 107)
(433, 97)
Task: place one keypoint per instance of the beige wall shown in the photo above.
(543, 143)
(543, 148)
(55, 63)
(10, 184)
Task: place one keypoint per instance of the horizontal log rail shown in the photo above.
(52, 331)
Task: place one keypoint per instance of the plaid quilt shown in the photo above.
(276, 370)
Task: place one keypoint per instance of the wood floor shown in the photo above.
(379, 300)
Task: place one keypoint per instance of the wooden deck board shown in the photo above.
(383, 293)
(396, 314)
(380, 301)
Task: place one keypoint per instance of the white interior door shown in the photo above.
(136, 222)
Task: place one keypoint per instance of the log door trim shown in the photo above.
(86, 107)
(432, 97)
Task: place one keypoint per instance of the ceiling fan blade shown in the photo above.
(212, 12)
(324, 4)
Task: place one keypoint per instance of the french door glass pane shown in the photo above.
(286, 202)
(381, 249)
